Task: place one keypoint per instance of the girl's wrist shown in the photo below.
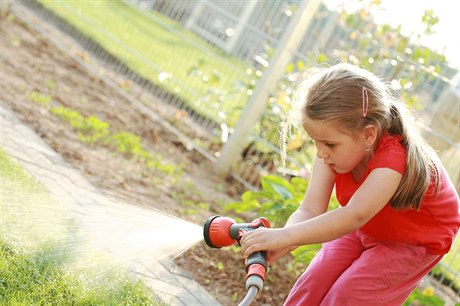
(290, 236)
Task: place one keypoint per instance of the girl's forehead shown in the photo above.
(320, 130)
(320, 125)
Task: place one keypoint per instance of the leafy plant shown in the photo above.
(90, 129)
(130, 144)
(39, 98)
(305, 253)
(277, 200)
(93, 130)
(427, 297)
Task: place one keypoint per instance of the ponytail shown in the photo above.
(420, 162)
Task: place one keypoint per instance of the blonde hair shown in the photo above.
(336, 94)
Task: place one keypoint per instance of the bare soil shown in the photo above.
(29, 62)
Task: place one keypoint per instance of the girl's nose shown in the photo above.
(320, 153)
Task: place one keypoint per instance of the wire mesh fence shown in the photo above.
(251, 31)
(208, 56)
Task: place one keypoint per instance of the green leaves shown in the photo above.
(90, 129)
(305, 253)
(94, 131)
(277, 200)
(425, 297)
(429, 20)
(39, 98)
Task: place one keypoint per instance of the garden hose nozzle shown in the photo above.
(223, 231)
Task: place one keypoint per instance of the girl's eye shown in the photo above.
(330, 145)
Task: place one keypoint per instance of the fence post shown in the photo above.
(287, 46)
(199, 6)
(239, 27)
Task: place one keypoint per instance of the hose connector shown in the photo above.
(255, 276)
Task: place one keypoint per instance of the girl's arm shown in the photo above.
(370, 198)
(318, 193)
(315, 202)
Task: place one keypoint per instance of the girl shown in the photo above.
(399, 211)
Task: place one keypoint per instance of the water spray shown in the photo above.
(223, 231)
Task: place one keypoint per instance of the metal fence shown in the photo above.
(247, 40)
(251, 31)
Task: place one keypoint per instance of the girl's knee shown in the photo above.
(340, 294)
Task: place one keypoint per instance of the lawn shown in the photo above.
(34, 255)
(163, 52)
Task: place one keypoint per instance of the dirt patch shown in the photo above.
(30, 63)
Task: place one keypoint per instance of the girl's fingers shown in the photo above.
(248, 242)
(246, 245)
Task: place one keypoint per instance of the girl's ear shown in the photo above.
(370, 133)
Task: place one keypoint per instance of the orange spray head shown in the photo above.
(223, 231)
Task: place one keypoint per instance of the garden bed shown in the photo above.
(37, 77)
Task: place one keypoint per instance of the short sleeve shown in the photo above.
(390, 154)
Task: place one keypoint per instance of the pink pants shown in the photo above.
(358, 270)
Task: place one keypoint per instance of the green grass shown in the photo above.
(161, 51)
(39, 279)
(23, 200)
(12, 171)
(34, 255)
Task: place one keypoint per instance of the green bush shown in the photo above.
(277, 200)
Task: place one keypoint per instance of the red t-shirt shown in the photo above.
(434, 225)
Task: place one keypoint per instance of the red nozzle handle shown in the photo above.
(260, 222)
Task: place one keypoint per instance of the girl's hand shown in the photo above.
(264, 239)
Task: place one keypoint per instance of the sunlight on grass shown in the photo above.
(37, 279)
(36, 246)
(23, 201)
(148, 43)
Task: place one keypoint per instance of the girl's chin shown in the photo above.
(337, 169)
(334, 168)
